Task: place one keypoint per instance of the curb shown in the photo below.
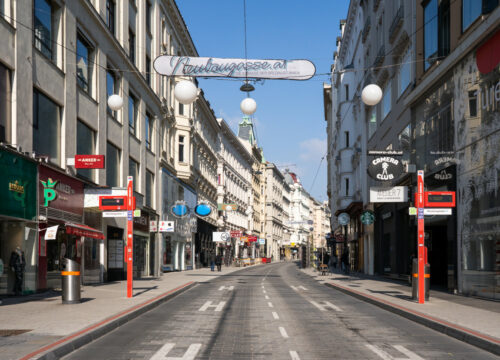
(479, 340)
(76, 340)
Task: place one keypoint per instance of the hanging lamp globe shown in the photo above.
(115, 102)
(248, 106)
(185, 92)
(371, 94)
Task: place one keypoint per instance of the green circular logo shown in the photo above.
(367, 217)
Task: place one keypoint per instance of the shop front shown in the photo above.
(18, 215)
(62, 233)
(203, 243)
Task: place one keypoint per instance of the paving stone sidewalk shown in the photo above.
(472, 320)
(31, 323)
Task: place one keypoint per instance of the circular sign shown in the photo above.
(367, 217)
(344, 218)
(385, 168)
(180, 210)
(203, 210)
(224, 236)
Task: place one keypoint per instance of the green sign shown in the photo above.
(17, 186)
(367, 217)
(49, 193)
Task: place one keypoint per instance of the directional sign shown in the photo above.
(437, 211)
(114, 214)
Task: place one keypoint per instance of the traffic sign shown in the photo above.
(114, 214)
(437, 211)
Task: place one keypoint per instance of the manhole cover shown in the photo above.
(12, 332)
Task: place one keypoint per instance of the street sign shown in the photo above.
(421, 213)
(130, 215)
(112, 202)
(388, 194)
(437, 211)
(439, 199)
(114, 214)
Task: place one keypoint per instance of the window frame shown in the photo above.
(136, 174)
(149, 131)
(132, 121)
(109, 162)
(86, 173)
(36, 124)
(111, 16)
(43, 45)
(181, 148)
(131, 45)
(81, 38)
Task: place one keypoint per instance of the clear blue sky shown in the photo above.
(290, 118)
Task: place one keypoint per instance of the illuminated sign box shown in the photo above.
(440, 199)
(114, 203)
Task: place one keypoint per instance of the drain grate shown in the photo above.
(12, 332)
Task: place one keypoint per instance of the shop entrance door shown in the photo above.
(437, 244)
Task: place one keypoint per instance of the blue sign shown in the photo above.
(420, 213)
(203, 210)
(130, 215)
(180, 210)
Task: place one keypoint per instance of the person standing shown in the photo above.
(17, 264)
(218, 262)
(212, 260)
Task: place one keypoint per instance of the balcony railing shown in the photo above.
(396, 24)
(366, 29)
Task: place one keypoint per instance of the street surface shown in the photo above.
(272, 312)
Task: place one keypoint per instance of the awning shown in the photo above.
(83, 230)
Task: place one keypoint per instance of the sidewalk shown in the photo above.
(40, 326)
(472, 320)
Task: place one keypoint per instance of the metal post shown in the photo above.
(420, 235)
(130, 238)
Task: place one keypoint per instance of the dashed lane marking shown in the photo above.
(270, 304)
(190, 353)
(296, 288)
(275, 315)
(283, 332)
(294, 355)
(324, 305)
(226, 287)
(217, 307)
(267, 297)
(384, 355)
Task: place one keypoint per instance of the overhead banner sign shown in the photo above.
(234, 68)
(220, 236)
(388, 194)
(385, 168)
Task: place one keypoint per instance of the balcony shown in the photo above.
(379, 59)
(366, 29)
(396, 24)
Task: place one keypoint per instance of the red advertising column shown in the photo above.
(130, 239)
(420, 236)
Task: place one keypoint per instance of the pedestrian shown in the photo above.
(345, 262)
(17, 264)
(212, 260)
(218, 262)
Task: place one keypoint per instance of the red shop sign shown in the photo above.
(59, 191)
(89, 161)
(252, 238)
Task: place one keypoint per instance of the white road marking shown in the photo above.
(294, 355)
(325, 305)
(275, 315)
(226, 287)
(208, 304)
(382, 354)
(270, 304)
(264, 291)
(283, 332)
(296, 288)
(267, 297)
(293, 287)
(190, 354)
(302, 287)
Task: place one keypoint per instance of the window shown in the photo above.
(346, 92)
(181, 148)
(148, 17)
(132, 115)
(111, 88)
(133, 170)
(436, 30)
(346, 186)
(131, 45)
(149, 188)
(405, 73)
(148, 70)
(372, 121)
(111, 15)
(473, 103)
(386, 100)
(181, 109)
(46, 127)
(113, 155)
(471, 9)
(5, 104)
(83, 59)
(85, 145)
(149, 131)
(346, 133)
(44, 32)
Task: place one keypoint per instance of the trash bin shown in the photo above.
(70, 277)
(414, 280)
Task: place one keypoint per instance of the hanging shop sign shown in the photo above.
(234, 68)
(51, 232)
(367, 217)
(180, 209)
(153, 226)
(344, 218)
(236, 233)
(385, 168)
(166, 226)
(227, 207)
(443, 175)
(220, 236)
(203, 210)
(89, 161)
(388, 194)
(262, 241)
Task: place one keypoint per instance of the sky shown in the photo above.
(289, 120)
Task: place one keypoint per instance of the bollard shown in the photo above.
(70, 277)
(414, 280)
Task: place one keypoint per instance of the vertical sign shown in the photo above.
(130, 229)
(420, 235)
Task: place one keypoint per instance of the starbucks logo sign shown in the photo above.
(385, 168)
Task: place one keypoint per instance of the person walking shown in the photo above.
(17, 264)
(212, 260)
(218, 262)
(345, 262)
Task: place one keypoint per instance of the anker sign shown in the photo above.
(385, 168)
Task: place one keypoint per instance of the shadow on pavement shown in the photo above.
(50, 295)
(144, 290)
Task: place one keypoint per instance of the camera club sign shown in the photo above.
(385, 166)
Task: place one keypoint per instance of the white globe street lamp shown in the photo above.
(248, 106)
(185, 92)
(371, 94)
(115, 102)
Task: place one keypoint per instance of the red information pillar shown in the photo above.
(420, 236)
(130, 239)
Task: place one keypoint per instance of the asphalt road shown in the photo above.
(272, 312)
